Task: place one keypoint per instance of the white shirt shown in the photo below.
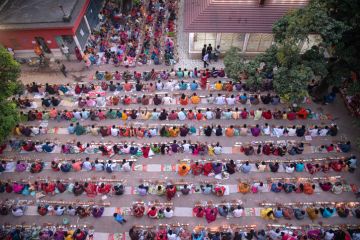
(278, 132)
(220, 100)
(314, 132)
(181, 116)
(169, 214)
(18, 212)
(169, 85)
(329, 236)
(65, 50)
(186, 147)
(77, 115)
(126, 167)
(230, 101)
(260, 188)
(87, 166)
(323, 132)
(172, 236)
(238, 212)
(273, 235)
(159, 86)
(291, 132)
(209, 115)
(60, 211)
(71, 212)
(100, 101)
(210, 100)
(167, 100)
(217, 150)
(266, 130)
(114, 132)
(38, 147)
(35, 130)
(99, 167)
(289, 169)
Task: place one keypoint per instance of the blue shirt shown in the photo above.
(193, 86)
(119, 218)
(299, 167)
(207, 190)
(71, 129)
(278, 213)
(326, 213)
(182, 86)
(245, 168)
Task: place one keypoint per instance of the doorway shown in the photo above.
(41, 41)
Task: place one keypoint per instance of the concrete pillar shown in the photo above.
(218, 40)
(87, 23)
(191, 42)
(78, 44)
(246, 40)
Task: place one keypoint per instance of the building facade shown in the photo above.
(246, 24)
(49, 24)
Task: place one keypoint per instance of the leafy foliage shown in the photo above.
(314, 59)
(296, 25)
(234, 63)
(9, 74)
(289, 83)
(9, 117)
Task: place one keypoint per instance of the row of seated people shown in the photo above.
(196, 168)
(56, 210)
(169, 190)
(183, 232)
(227, 233)
(215, 168)
(312, 212)
(182, 130)
(48, 232)
(210, 213)
(186, 146)
(163, 115)
(65, 166)
(57, 187)
(145, 100)
(292, 149)
(151, 87)
(139, 150)
(159, 75)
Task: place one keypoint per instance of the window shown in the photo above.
(259, 42)
(228, 40)
(204, 38)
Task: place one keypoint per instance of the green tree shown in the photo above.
(9, 85)
(234, 63)
(289, 83)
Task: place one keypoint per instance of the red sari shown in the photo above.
(203, 82)
(91, 190)
(207, 169)
(170, 193)
(210, 214)
(197, 169)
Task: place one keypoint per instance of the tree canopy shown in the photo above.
(338, 24)
(9, 85)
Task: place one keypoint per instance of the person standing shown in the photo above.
(65, 51)
(209, 50)
(217, 53)
(203, 52)
(206, 59)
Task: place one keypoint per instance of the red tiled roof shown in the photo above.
(235, 15)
